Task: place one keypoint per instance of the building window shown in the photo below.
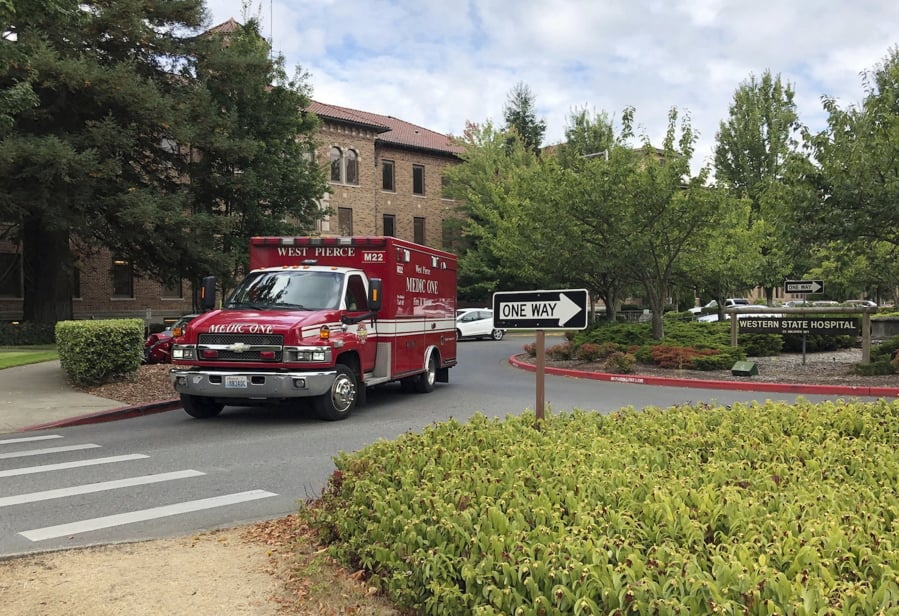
(335, 164)
(352, 167)
(10, 274)
(344, 166)
(418, 179)
(122, 278)
(389, 224)
(345, 220)
(387, 179)
(418, 230)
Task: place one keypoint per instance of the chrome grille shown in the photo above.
(253, 345)
(251, 339)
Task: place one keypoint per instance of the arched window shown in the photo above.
(352, 167)
(336, 155)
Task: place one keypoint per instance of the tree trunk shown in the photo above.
(47, 263)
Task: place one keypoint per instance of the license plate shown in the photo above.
(235, 382)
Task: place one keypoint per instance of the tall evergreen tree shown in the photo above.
(86, 163)
(254, 169)
(520, 114)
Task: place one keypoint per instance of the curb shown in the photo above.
(123, 412)
(792, 388)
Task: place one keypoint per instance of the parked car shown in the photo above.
(476, 323)
(158, 346)
(860, 303)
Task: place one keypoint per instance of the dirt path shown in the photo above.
(215, 573)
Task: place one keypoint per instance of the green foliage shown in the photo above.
(883, 359)
(761, 345)
(814, 343)
(761, 509)
(94, 352)
(619, 362)
(521, 117)
(26, 333)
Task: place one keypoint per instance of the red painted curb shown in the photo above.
(792, 388)
(124, 412)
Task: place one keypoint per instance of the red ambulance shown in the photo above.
(321, 318)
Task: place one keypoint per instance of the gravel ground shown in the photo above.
(828, 368)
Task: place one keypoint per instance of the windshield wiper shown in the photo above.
(251, 305)
(288, 305)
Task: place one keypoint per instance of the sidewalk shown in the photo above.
(37, 396)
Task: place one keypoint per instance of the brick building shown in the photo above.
(386, 179)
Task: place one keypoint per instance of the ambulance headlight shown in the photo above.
(183, 352)
(311, 354)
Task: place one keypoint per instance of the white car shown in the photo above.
(476, 323)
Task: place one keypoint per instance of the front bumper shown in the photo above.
(251, 384)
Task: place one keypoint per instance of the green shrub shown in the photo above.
(724, 359)
(700, 509)
(620, 363)
(94, 352)
(761, 345)
(26, 333)
(815, 343)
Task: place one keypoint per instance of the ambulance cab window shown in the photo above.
(356, 298)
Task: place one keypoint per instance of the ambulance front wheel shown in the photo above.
(200, 407)
(340, 401)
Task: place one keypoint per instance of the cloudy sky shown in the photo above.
(440, 63)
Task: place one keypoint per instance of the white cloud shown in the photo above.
(439, 64)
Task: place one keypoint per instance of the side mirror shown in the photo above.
(207, 293)
(374, 294)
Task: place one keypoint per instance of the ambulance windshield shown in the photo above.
(288, 290)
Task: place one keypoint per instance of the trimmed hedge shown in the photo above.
(94, 352)
(748, 509)
(26, 333)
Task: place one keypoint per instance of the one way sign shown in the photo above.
(561, 309)
(803, 286)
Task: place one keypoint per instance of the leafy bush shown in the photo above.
(531, 349)
(816, 343)
(26, 333)
(620, 363)
(761, 345)
(94, 352)
(589, 351)
(724, 359)
(747, 509)
(681, 358)
(561, 352)
(884, 359)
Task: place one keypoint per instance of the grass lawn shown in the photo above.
(23, 355)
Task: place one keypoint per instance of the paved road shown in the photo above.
(168, 474)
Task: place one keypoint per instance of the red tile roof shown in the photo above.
(390, 130)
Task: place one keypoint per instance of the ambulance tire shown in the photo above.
(424, 382)
(200, 407)
(340, 401)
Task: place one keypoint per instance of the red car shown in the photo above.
(158, 346)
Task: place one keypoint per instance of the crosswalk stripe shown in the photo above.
(90, 488)
(29, 439)
(44, 468)
(46, 450)
(74, 528)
